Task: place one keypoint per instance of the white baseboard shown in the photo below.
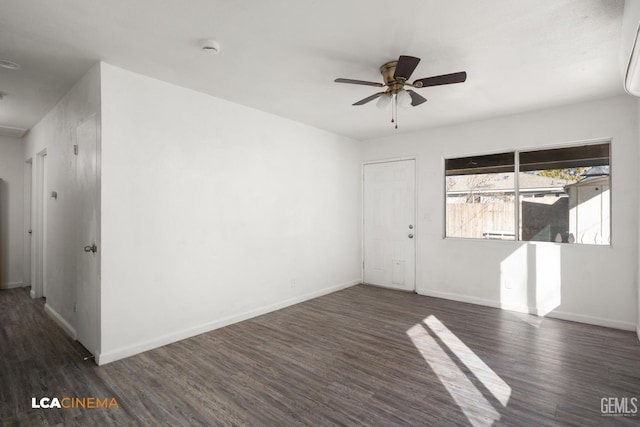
(13, 285)
(563, 315)
(592, 320)
(459, 298)
(112, 356)
(70, 330)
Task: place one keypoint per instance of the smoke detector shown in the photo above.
(210, 46)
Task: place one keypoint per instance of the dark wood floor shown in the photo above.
(362, 356)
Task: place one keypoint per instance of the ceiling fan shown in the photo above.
(396, 75)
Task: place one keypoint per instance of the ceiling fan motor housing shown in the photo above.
(388, 70)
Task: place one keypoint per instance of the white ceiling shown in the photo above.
(281, 56)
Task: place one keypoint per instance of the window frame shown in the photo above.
(517, 207)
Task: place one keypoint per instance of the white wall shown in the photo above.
(213, 212)
(595, 284)
(56, 134)
(11, 212)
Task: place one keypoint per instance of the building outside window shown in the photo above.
(563, 195)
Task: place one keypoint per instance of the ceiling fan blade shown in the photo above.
(359, 82)
(416, 99)
(369, 98)
(405, 67)
(444, 79)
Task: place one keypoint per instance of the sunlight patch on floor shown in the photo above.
(472, 402)
(496, 385)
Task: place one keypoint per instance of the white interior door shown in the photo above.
(88, 296)
(389, 224)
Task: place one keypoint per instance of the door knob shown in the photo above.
(410, 226)
(93, 248)
(411, 235)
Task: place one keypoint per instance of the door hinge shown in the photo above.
(75, 149)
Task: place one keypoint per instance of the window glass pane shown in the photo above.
(544, 204)
(564, 195)
(480, 197)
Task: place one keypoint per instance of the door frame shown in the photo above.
(28, 221)
(415, 208)
(39, 219)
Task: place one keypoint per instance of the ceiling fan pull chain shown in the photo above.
(396, 103)
(393, 108)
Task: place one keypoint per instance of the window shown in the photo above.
(560, 195)
(481, 196)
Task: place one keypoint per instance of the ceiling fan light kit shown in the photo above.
(384, 102)
(396, 75)
(403, 99)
